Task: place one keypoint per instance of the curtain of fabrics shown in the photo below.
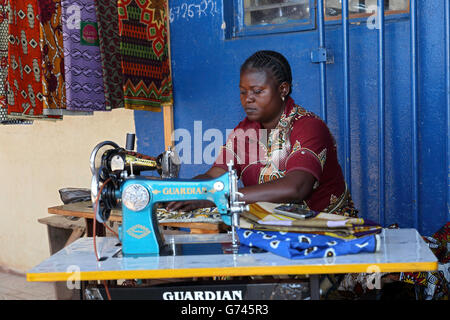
(74, 57)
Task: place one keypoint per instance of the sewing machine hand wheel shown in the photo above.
(93, 158)
(101, 213)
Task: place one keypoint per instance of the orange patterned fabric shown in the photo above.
(24, 83)
(25, 61)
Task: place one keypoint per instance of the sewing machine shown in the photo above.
(116, 183)
(143, 250)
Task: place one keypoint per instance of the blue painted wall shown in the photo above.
(206, 76)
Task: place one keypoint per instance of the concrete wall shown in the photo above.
(36, 161)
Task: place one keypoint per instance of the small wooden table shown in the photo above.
(62, 231)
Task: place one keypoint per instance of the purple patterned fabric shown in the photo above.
(84, 79)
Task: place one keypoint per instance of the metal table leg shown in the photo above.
(314, 286)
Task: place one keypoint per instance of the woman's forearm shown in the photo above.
(296, 186)
(213, 172)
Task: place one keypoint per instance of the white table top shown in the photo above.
(401, 250)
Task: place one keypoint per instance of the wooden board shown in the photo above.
(85, 210)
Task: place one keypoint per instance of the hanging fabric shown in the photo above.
(3, 60)
(3, 55)
(4, 21)
(82, 60)
(109, 43)
(144, 47)
(53, 83)
(24, 83)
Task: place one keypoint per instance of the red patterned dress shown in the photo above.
(301, 141)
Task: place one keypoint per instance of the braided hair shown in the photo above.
(273, 62)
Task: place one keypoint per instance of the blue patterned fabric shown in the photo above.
(305, 245)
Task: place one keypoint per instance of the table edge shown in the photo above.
(233, 271)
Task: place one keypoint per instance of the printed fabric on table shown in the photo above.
(83, 68)
(202, 215)
(144, 47)
(306, 246)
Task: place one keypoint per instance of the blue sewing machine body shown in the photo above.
(116, 183)
(139, 232)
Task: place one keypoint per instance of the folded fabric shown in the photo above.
(72, 195)
(306, 246)
(262, 217)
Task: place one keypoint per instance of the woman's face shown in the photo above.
(261, 97)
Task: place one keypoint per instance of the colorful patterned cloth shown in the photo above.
(4, 13)
(203, 215)
(53, 82)
(436, 284)
(109, 41)
(306, 246)
(4, 39)
(24, 87)
(145, 54)
(83, 68)
(301, 141)
(440, 242)
(262, 217)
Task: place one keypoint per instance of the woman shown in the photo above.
(282, 153)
